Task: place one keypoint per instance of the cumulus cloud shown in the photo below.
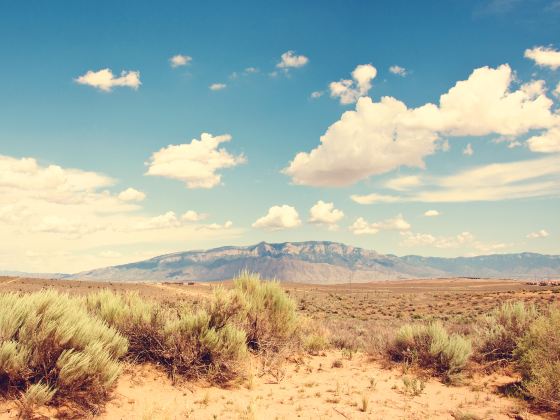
(323, 213)
(217, 86)
(279, 218)
(105, 80)
(291, 60)
(544, 56)
(538, 234)
(547, 142)
(431, 213)
(349, 90)
(180, 60)
(468, 150)
(131, 194)
(362, 227)
(195, 163)
(398, 70)
(378, 137)
(193, 216)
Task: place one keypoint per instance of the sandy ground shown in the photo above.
(314, 389)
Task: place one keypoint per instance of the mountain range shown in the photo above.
(319, 262)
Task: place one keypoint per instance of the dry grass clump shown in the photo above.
(430, 346)
(499, 332)
(268, 315)
(539, 359)
(52, 349)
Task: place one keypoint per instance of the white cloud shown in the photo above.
(325, 214)
(538, 234)
(251, 70)
(374, 198)
(403, 183)
(163, 221)
(291, 60)
(278, 218)
(317, 94)
(468, 150)
(547, 142)
(106, 81)
(557, 90)
(398, 70)
(544, 57)
(193, 216)
(493, 182)
(55, 219)
(217, 86)
(349, 90)
(195, 163)
(131, 194)
(431, 213)
(180, 60)
(362, 227)
(512, 142)
(462, 240)
(381, 136)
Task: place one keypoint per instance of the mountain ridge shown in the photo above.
(320, 262)
(323, 262)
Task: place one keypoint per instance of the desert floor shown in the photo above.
(312, 386)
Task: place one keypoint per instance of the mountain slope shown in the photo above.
(320, 262)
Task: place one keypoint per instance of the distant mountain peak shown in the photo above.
(320, 262)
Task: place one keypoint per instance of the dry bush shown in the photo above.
(499, 332)
(202, 344)
(314, 337)
(141, 321)
(269, 316)
(539, 359)
(430, 346)
(52, 348)
(195, 346)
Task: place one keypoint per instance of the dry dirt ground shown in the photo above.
(313, 387)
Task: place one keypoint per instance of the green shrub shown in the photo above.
(430, 346)
(539, 359)
(499, 331)
(269, 316)
(203, 344)
(51, 348)
(141, 321)
(196, 346)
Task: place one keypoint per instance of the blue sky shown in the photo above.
(72, 139)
